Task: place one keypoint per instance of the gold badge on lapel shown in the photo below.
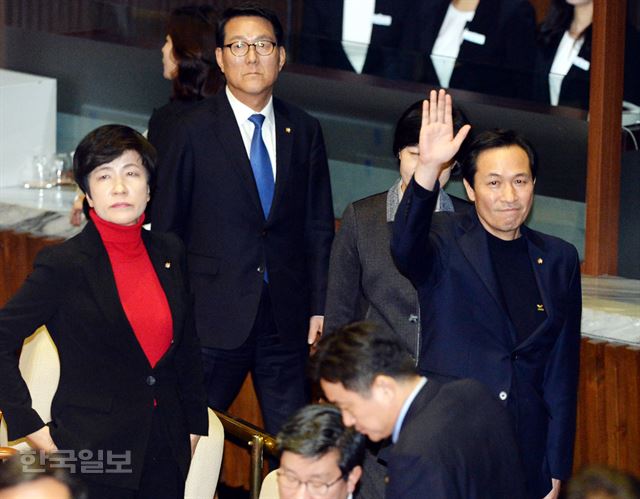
(540, 307)
(540, 260)
(167, 265)
(287, 130)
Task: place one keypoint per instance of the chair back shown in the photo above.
(204, 470)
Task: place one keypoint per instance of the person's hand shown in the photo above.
(41, 440)
(316, 323)
(194, 442)
(555, 489)
(75, 217)
(437, 145)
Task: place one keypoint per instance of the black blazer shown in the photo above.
(467, 333)
(501, 66)
(456, 442)
(107, 388)
(208, 196)
(321, 36)
(574, 91)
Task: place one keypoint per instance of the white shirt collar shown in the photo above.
(242, 112)
(405, 409)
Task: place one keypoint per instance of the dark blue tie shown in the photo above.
(261, 165)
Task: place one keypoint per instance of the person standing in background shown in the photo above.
(563, 62)
(245, 184)
(485, 46)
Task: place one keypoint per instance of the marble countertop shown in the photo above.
(42, 212)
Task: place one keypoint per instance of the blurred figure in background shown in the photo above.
(597, 482)
(564, 56)
(485, 46)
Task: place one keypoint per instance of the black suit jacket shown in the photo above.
(500, 66)
(456, 442)
(467, 333)
(321, 38)
(208, 196)
(107, 387)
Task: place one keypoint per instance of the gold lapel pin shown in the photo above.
(540, 260)
(287, 130)
(540, 307)
(167, 265)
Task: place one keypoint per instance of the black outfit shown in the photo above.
(456, 442)
(574, 91)
(107, 390)
(208, 196)
(468, 333)
(500, 66)
(321, 36)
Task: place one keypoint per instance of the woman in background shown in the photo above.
(564, 56)
(130, 402)
(364, 283)
(188, 60)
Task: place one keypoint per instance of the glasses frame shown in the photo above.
(255, 46)
(299, 482)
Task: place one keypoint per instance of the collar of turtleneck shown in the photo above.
(121, 241)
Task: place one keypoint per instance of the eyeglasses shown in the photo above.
(315, 487)
(240, 48)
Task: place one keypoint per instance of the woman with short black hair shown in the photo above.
(130, 403)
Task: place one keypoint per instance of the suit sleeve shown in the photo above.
(413, 252)
(171, 199)
(344, 292)
(35, 302)
(561, 382)
(319, 222)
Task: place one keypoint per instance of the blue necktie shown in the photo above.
(261, 165)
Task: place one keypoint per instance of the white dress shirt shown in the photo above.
(357, 25)
(447, 46)
(242, 112)
(566, 56)
(405, 408)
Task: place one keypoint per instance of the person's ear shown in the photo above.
(89, 200)
(282, 57)
(471, 194)
(384, 387)
(219, 59)
(354, 478)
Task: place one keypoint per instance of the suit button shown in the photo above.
(151, 380)
(260, 269)
(264, 233)
(502, 395)
(514, 356)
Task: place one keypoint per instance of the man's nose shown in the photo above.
(252, 54)
(509, 193)
(348, 419)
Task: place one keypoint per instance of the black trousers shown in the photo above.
(161, 475)
(277, 368)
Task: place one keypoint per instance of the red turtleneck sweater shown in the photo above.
(141, 294)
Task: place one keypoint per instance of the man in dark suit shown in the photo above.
(499, 302)
(450, 441)
(255, 212)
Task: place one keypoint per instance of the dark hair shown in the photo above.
(103, 145)
(18, 471)
(192, 29)
(598, 482)
(249, 10)
(355, 354)
(407, 132)
(494, 139)
(316, 430)
(556, 22)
